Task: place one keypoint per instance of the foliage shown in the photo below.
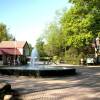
(4, 35)
(53, 38)
(72, 36)
(40, 47)
(73, 56)
(81, 23)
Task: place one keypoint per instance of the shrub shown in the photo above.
(72, 56)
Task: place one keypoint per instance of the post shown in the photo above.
(15, 54)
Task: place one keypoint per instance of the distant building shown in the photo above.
(14, 52)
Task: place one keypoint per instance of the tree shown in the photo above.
(40, 47)
(4, 35)
(76, 28)
(81, 23)
(53, 38)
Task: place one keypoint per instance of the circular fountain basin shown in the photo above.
(38, 71)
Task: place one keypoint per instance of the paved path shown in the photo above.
(84, 86)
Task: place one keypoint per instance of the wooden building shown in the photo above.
(14, 52)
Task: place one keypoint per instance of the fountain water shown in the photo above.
(34, 58)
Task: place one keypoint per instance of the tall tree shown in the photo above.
(81, 23)
(4, 35)
(40, 47)
(53, 37)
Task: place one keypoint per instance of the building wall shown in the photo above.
(4, 58)
(26, 50)
(21, 50)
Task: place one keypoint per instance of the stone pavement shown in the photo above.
(83, 86)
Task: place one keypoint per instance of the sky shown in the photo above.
(26, 20)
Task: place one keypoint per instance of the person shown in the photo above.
(82, 61)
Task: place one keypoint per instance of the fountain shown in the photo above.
(34, 58)
(38, 70)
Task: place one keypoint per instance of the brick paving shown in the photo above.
(83, 86)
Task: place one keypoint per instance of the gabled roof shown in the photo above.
(12, 44)
(10, 51)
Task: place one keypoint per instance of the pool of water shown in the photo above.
(38, 70)
(37, 67)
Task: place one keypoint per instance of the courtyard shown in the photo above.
(83, 86)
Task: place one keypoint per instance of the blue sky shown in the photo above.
(27, 19)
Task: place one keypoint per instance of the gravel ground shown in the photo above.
(83, 86)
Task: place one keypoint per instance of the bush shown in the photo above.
(72, 56)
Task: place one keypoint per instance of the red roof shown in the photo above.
(12, 44)
(10, 51)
